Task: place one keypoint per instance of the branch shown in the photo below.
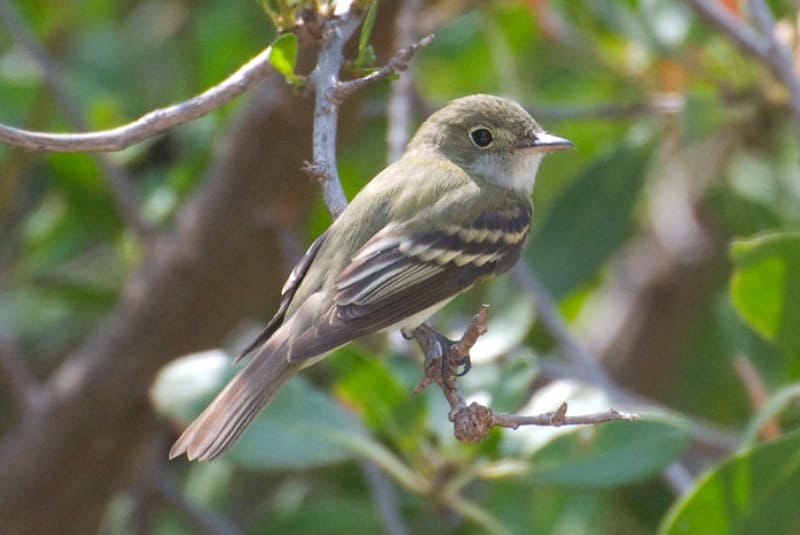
(148, 125)
(397, 63)
(471, 423)
(331, 92)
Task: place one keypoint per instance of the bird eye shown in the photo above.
(482, 137)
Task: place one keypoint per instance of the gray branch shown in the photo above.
(148, 125)
(325, 78)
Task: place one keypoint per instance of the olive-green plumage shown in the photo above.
(455, 209)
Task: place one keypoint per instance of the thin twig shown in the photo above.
(559, 417)
(397, 63)
(471, 423)
(119, 180)
(148, 125)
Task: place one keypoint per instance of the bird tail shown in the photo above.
(224, 420)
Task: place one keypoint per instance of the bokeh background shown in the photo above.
(668, 241)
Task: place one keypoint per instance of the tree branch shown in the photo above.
(471, 423)
(331, 92)
(148, 125)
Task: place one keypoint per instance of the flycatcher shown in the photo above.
(454, 210)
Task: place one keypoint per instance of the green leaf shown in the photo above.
(610, 454)
(754, 491)
(765, 288)
(366, 54)
(283, 55)
(369, 386)
(301, 428)
(589, 220)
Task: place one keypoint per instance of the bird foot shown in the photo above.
(436, 346)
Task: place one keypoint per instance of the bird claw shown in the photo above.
(436, 346)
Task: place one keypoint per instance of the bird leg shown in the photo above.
(436, 346)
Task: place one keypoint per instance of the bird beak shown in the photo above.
(544, 142)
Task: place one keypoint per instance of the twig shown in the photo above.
(331, 92)
(325, 77)
(148, 125)
(471, 423)
(399, 108)
(397, 63)
(119, 180)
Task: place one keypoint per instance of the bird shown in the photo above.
(454, 210)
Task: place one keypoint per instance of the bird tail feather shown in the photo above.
(224, 420)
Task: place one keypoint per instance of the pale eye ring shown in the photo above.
(481, 137)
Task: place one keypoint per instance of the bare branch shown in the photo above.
(397, 63)
(331, 92)
(471, 423)
(119, 180)
(148, 125)
(559, 417)
(325, 78)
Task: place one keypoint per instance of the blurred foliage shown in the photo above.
(592, 71)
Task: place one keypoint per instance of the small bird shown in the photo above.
(454, 210)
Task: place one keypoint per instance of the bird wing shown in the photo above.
(287, 293)
(397, 274)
